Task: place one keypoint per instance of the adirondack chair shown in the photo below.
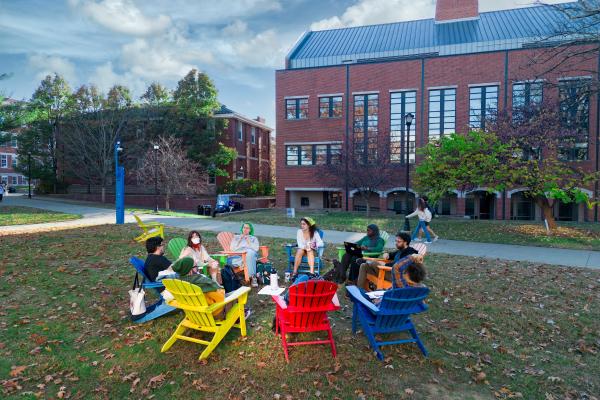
(391, 316)
(290, 250)
(307, 310)
(149, 229)
(199, 315)
(379, 279)
(159, 308)
(175, 246)
(225, 239)
(383, 234)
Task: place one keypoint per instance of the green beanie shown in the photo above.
(183, 266)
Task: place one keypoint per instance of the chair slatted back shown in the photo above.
(420, 247)
(175, 246)
(140, 222)
(385, 236)
(398, 304)
(225, 239)
(311, 300)
(140, 267)
(189, 295)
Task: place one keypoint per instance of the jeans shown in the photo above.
(421, 225)
(251, 257)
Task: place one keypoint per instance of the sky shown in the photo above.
(238, 43)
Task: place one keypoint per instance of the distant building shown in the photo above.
(356, 85)
(8, 157)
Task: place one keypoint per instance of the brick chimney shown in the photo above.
(260, 119)
(456, 10)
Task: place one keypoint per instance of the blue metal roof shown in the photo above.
(492, 31)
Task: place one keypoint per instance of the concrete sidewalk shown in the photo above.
(100, 216)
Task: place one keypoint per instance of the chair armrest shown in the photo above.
(280, 301)
(233, 253)
(235, 295)
(384, 267)
(356, 295)
(153, 285)
(371, 254)
(335, 300)
(377, 259)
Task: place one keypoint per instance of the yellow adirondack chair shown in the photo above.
(199, 315)
(150, 229)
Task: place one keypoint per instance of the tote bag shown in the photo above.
(137, 305)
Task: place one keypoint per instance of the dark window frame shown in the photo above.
(402, 132)
(298, 160)
(442, 130)
(368, 128)
(331, 106)
(296, 108)
(484, 110)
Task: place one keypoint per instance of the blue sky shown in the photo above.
(239, 43)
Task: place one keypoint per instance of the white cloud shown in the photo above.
(47, 65)
(236, 28)
(122, 16)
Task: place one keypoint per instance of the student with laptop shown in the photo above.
(370, 243)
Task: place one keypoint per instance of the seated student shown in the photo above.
(247, 243)
(309, 241)
(409, 271)
(371, 267)
(198, 253)
(213, 292)
(371, 243)
(155, 261)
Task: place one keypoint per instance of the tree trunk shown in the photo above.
(103, 194)
(167, 203)
(546, 207)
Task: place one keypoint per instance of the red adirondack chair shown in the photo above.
(307, 310)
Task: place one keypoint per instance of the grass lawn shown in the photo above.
(570, 235)
(163, 212)
(494, 330)
(17, 215)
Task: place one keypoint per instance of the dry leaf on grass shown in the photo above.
(17, 370)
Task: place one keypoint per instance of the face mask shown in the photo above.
(195, 240)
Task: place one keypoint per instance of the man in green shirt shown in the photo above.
(372, 243)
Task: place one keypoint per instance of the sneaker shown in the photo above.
(435, 239)
(293, 278)
(254, 282)
(314, 275)
(428, 242)
(417, 240)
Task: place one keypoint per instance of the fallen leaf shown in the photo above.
(156, 380)
(409, 391)
(17, 370)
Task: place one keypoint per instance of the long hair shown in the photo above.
(311, 228)
(422, 206)
(189, 240)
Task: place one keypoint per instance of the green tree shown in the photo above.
(156, 95)
(196, 95)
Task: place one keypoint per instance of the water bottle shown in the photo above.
(287, 277)
(274, 278)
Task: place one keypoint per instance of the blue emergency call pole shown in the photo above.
(119, 186)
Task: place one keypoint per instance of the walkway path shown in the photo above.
(99, 216)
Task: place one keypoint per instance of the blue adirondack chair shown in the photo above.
(159, 308)
(392, 315)
(304, 268)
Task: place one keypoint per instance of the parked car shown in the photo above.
(12, 189)
(226, 203)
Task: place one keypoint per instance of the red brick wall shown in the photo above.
(456, 9)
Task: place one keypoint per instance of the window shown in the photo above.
(296, 108)
(239, 174)
(574, 98)
(483, 105)
(442, 112)
(366, 115)
(526, 94)
(304, 202)
(240, 131)
(13, 141)
(14, 161)
(5, 179)
(253, 135)
(3, 161)
(212, 178)
(330, 107)
(313, 154)
(402, 103)
(13, 180)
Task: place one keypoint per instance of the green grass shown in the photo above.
(570, 235)
(17, 215)
(164, 212)
(64, 331)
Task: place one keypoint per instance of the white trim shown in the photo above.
(245, 120)
(442, 87)
(365, 92)
(354, 191)
(483, 84)
(308, 189)
(403, 90)
(483, 189)
(540, 80)
(449, 21)
(575, 78)
(296, 97)
(310, 143)
(331, 95)
(589, 193)
(511, 192)
(386, 193)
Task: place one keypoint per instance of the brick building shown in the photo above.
(359, 83)
(9, 160)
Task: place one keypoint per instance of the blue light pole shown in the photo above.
(119, 186)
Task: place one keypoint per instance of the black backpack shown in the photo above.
(231, 281)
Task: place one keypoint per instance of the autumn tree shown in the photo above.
(173, 171)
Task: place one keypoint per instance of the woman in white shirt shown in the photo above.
(247, 243)
(309, 241)
(424, 216)
(196, 250)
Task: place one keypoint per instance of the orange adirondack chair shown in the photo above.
(225, 239)
(379, 280)
(307, 310)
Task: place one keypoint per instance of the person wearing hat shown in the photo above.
(372, 243)
(247, 243)
(309, 241)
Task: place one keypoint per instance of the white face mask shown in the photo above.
(195, 240)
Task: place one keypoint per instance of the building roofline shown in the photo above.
(245, 119)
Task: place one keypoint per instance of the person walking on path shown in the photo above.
(1, 191)
(428, 223)
(424, 216)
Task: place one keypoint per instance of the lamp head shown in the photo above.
(409, 118)
(156, 147)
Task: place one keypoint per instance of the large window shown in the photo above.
(526, 94)
(442, 112)
(240, 131)
(483, 105)
(575, 113)
(3, 161)
(402, 103)
(330, 107)
(13, 141)
(14, 161)
(296, 108)
(366, 118)
(313, 154)
(253, 135)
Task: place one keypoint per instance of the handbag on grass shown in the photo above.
(137, 305)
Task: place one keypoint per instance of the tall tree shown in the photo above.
(171, 170)
(50, 102)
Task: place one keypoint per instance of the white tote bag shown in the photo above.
(137, 305)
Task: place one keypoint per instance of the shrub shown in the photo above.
(248, 187)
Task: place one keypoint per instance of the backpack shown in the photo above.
(231, 281)
(428, 215)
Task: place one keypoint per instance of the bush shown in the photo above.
(248, 187)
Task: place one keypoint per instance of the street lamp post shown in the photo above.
(156, 147)
(408, 120)
(29, 175)
(119, 186)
